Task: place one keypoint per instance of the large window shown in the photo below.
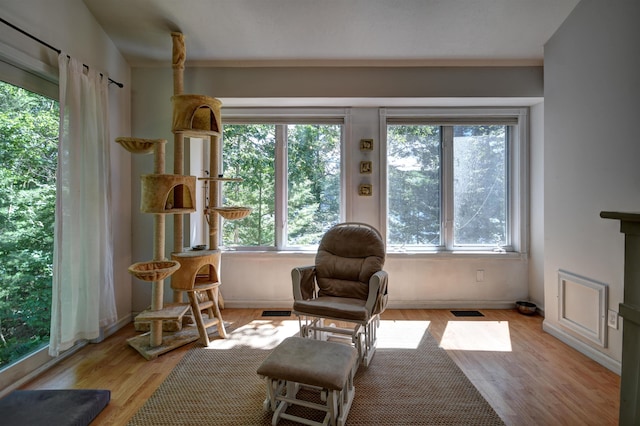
(291, 178)
(28, 153)
(454, 183)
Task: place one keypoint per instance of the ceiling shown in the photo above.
(333, 32)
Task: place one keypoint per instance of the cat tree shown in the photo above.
(194, 272)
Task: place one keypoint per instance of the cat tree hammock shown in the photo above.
(194, 272)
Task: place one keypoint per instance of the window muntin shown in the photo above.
(291, 179)
(468, 177)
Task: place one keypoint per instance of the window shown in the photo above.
(28, 153)
(455, 181)
(291, 178)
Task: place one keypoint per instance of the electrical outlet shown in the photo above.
(480, 275)
(612, 319)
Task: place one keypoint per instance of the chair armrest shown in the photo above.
(304, 282)
(377, 298)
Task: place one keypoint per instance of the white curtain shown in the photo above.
(83, 297)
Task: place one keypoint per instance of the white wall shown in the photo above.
(263, 279)
(68, 25)
(591, 155)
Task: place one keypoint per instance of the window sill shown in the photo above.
(458, 254)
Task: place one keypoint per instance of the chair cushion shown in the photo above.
(347, 258)
(311, 362)
(334, 307)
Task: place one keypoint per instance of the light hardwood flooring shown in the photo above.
(528, 376)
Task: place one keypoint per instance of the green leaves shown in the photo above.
(480, 185)
(28, 153)
(414, 176)
(313, 180)
(249, 152)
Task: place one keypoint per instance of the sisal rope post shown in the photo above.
(178, 59)
(179, 56)
(177, 62)
(157, 288)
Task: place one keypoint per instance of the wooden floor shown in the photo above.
(528, 376)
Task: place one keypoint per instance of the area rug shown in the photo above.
(410, 381)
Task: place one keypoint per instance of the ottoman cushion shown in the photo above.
(311, 362)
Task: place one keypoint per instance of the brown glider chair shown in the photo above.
(346, 285)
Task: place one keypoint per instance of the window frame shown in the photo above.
(33, 81)
(281, 117)
(517, 171)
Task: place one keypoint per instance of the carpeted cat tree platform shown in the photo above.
(48, 407)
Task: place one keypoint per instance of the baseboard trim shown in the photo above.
(393, 304)
(108, 331)
(585, 349)
(450, 304)
(258, 304)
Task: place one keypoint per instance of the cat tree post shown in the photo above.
(177, 61)
(178, 58)
(157, 289)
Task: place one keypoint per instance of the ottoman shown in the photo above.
(327, 367)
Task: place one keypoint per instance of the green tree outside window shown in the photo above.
(28, 153)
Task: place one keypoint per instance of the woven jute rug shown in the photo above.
(410, 381)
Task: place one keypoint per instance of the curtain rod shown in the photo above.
(44, 43)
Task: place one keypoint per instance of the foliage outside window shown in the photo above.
(414, 176)
(448, 186)
(480, 186)
(28, 153)
(291, 180)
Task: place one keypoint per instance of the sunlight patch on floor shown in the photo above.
(477, 336)
(259, 334)
(401, 334)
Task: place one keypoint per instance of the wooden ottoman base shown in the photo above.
(324, 366)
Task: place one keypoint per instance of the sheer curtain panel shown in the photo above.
(83, 294)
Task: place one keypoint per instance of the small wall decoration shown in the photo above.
(365, 189)
(366, 167)
(366, 144)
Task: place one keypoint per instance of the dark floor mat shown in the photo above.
(467, 313)
(64, 407)
(276, 313)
